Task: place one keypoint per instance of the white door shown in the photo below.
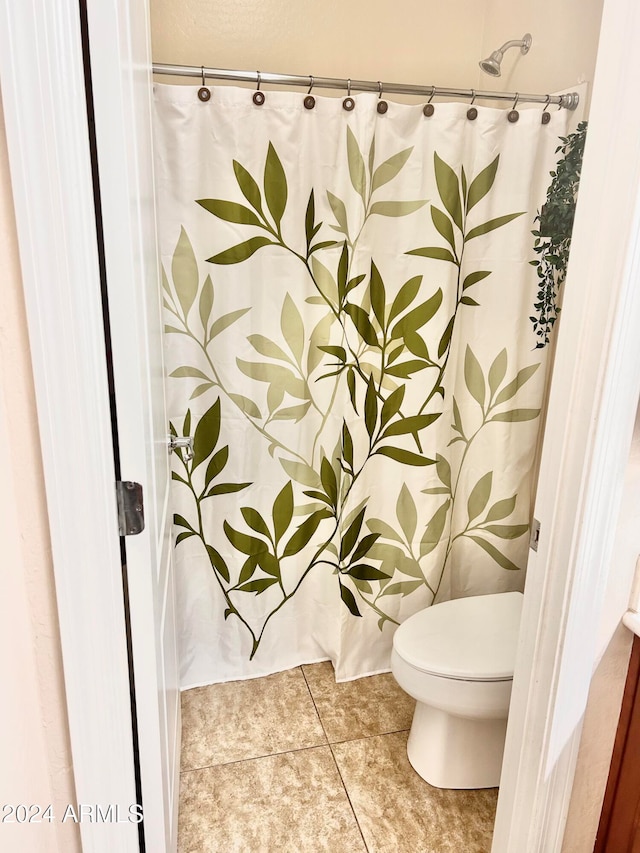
(118, 36)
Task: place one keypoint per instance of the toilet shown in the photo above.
(457, 659)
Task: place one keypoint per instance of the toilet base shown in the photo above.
(456, 752)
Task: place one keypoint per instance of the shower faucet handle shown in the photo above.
(185, 443)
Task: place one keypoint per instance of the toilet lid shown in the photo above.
(472, 639)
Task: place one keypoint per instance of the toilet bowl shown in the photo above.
(456, 659)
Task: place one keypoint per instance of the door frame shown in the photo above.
(43, 93)
(588, 428)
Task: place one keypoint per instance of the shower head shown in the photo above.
(491, 65)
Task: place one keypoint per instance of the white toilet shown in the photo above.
(456, 659)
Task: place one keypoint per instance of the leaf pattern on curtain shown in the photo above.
(372, 339)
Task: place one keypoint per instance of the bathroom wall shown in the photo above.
(414, 41)
(36, 766)
(403, 41)
(565, 42)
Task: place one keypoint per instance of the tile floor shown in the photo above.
(295, 763)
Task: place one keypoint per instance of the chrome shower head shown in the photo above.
(491, 65)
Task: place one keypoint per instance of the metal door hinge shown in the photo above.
(185, 443)
(130, 508)
(535, 535)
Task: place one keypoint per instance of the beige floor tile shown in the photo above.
(398, 812)
(354, 709)
(289, 803)
(247, 719)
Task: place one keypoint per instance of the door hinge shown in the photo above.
(535, 535)
(130, 508)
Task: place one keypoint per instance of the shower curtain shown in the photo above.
(348, 299)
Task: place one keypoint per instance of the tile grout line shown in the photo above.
(324, 731)
(353, 811)
(254, 758)
(346, 790)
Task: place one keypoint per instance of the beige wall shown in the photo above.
(412, 41)
(565, 42)
(35, 767)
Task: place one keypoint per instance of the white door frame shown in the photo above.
(589, 423)
(42, 79)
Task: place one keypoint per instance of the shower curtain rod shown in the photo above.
(568, 101)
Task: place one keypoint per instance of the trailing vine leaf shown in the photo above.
(225, 321)
(407, 513)
(492, 224)
(267, 347)
(434, 252)
(255, 520)
(404, 456)
(493, 552)
(449, 189)
(479, 496)
(396, 208)
(378, 295)
(365, 572)
(516, 415)
(184, 271)
(356, 166)
(350, 537)
(243, 542)
(497, 371)
(501, 509)
(507, 531)
(443, 470)
(443, 226)
(259, 585)
(230, 211)
(410, 425)
(226, 489)
(482, 184)
(403, 588)
(348, 598)
(201, 389)
(362, 323)
(553, 236)
(514, 386)
(304, 533)
(267, 372)
(473, 376)
(370, 408)
(292, 327)
(216, 464)
(406, 296)
(301, 473)
(378, 525)
(188, 372)
(206, 434)
(275, 186)
(206, 303)
(292, 413)
(282, 512)
(248, 187)
(388, 170)
(325, 282)
(218, 563)
(434, 529)
(239, 253)
(474, 278)
(246, 405)
(340, 213)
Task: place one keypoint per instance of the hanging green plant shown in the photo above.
(553, 237)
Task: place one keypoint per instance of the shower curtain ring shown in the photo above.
(258, 96)
(383, 106)
(428, 108)
(546, 116)
(203, 93)
(310, 101)
(348, 102)
(513, 115)
(472, 112)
